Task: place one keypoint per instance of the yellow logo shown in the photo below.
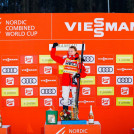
(88, 80)
(61, 67)
(124, 58)
(124, 101)
(105, 90)
(45, 59)
(10, 91)
(29, 102)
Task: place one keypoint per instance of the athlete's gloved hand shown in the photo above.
(82, 59)
(77, 75)
(55, 45)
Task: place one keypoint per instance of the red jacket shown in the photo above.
(66, 77)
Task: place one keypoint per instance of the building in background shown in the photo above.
(64, 6)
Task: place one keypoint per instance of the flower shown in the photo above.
(61, 113)
(68, 113)
(65, 115)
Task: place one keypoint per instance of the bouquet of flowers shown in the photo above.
(65, 115)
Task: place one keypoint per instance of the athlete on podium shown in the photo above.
(71, 66)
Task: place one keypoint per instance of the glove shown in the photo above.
(77, 75)
(82, 59)
(55, 45)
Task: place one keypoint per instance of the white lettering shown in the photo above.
(99, 32)
(70, 28)
(123, 26)
(88, 26)
(99, 22)
(111, 27)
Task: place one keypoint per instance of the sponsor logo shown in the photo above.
(124, 80)
(105, 101)
(28, 59)
(124, 69)
(105, 90)
(48, 102)
(89, 58)
(106, 59)
(64, 47)
(9, 70)
(78, 131)
(97, 28)
(124, 91)
(86, 101)
(9, 60)
(10, 102)
(29, 80)
(87, 69)
(86, 91)
(29, 70)
(124, 58)
(61, 101)
(9, 81)
(10, 92)
(45, 59)
(124, 101)
(61, 69)
(47, 70)
(29, 91)
(107, 69)
(48, 80)
(29, 102)
(48, 91)
(61, 131)
(88, 80)
(105, 80)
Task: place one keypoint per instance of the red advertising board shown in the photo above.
(28, 72)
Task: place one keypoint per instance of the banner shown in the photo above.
(31, 81)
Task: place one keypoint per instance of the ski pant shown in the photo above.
(65, 95)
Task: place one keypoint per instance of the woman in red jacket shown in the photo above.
(71, 65)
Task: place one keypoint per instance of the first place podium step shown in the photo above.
(73, 129)
(6, 129)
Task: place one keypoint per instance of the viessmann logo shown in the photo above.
(10, 59)
(98, 26)
(29, 70)
(105, 59)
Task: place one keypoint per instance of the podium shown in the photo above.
(6, 129)
(73, 129)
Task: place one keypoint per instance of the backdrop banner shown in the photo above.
(30, 80)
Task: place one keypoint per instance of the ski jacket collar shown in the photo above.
(75, 57)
